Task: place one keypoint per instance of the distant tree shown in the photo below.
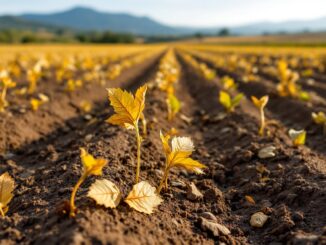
(224, 32)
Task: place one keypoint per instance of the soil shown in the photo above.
(41, 151)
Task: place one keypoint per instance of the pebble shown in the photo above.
(177, 183)
(258, 219)
(216, 228)
(208, 216)
(88, 137)
(193, 193)
(267, 152)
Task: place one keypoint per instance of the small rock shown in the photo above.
(8, 155)
(186, 119)
(159, 172)
(258, 219)
(88, 137)
(193, 193)
(267, 152)
(209, 216)
(225, 130)
(213, 227)
(177, 183)
(88, 117)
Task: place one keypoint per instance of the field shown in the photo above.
(54, 101)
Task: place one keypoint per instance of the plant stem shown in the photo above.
(262, 122)
(163, 181)
(2, 213)
(73, 195)
(138, 152)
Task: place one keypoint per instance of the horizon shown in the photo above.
(304, 11)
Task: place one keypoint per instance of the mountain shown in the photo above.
(285, 26)
(13, 22)
(86, 19)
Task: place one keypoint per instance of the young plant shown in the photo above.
(298, 137)
(7, 185)
(5, 83)
(260, 104)
(228, 83)
(320, 118)
(174, 106)
(91, 166)
(128, 109)
(33, 76)
(228, 102)
(178, 155)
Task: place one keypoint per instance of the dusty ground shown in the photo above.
(44, 159)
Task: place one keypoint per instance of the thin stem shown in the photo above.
(262, 122)
(138, 152)
(2, 212)
(73, 195)
(4, 93)
(163, 181)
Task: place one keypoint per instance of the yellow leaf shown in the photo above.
(165, 143)
(260, 103)
(250, 199)
(91, 165)
(128, 108)
(143, 198)
(298, 136)
(225, 100)
(319, 118)
(7, 185)
(105, 193)
(174, 105)
(35, 104)
(188, 164)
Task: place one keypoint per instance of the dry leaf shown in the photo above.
(250, 199)
(7, 185)
(143, 198)
(105, 193)
(91, 165)
(128, 108)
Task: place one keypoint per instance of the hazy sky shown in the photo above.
(186, 12)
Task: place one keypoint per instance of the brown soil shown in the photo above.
(44, 159)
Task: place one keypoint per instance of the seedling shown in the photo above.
(128, 109)
(260, 104)
(228, 102)
(178, 155)
(320, 118)
(298, 137)
(91, 166)
(7, 185)
(288, 83)
(33, 76)
(174, 106)
(5, 83)
(228, 83)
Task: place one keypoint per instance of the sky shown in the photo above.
(196, 13)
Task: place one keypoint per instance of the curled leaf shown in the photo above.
(7, 185)
(91, 165)
(105, 193)
(298, 136)
(143, 198)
